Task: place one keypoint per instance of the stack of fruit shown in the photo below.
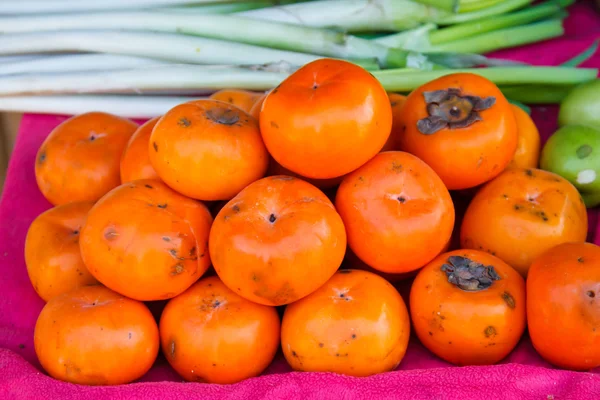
(282, 220)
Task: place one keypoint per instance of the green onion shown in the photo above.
(524, 16)
(223, 27)
(504, 38)
(500, 8)
(76, 62)
(413, 39)
(125, 106)
(537, 94)
(457, 6)
(228, 8)
(583, 56)
(52, 6)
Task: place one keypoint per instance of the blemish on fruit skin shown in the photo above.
(274, 125)
(508, 299)
(529, 172)
(396, 167)
(155, 146)
(294, 353)
(591, 294)
(172, 349)
(580, 260)
(162, 205)
(148, 186)
(110, 233)
(345, 271)
(184, 122)
(489, 331)
(321, 345)
(177, 269)
(42, 158)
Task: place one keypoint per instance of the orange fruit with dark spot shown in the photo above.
(242, 99)
(79, 160)
(527, 154)
(94, 336)
(208, 150)
(326, 119)
(563, 295)
(355, 324)
(397, 212)
(462, 126)
(211, 334)
(521, 214)
(468, 307)
(52, 254)
(146, 241)
(278, 240)
(135, 161)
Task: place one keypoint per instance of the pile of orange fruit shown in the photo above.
(282, 220)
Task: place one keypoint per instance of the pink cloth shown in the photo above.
(523, 375)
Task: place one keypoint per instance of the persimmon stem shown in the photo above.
(503, 38)
(469, 275)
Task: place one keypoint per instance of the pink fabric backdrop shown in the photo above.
(523, 375)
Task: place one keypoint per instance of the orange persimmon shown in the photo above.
(278, 240)
(468, 307)
(527, 154)
(326, 119)
(135, 161)
(397, 212)
(79, 160)
(208, 150)
(242, 99)
(396, 101)
(521, 214)
(94, 336)
(211, 334)
(462, 126)
(257, 106)
(52, 255)
(146, 241)
(563, 291)
(355, 324)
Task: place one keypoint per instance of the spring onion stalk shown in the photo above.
(583, 56)
(500, 8)
(122, 105)
(162, 46)
(457, 6)
(529, 75)
(537, 94)
(198, 79)
(517, 18)
(504, 38)
(59, 6)
(14, 59)
(228, 8)
(268, 34)
(411, 39)
(76, 63)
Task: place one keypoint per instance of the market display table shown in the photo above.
(523, 375)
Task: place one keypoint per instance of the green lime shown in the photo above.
(581, 106)
(573, 152)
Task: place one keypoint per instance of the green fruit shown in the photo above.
(591, 200)
(581, 106)
(573, 152)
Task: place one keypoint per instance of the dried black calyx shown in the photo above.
(450, 109)
(469, 275)
(223, 116)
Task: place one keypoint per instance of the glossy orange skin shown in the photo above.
(210, 334)
(527, 154)
(79, 160)
(135, 161)
(521, 214)
(277, 169)
(351, 261)
(242, 99)
(52, 255)
(462, 157)
(344, 328)
(203, 158)
(326, 119)
(396, 102)
(279, 262)
(562, 305)
(463, 327)
(94, 336)
(146, 241)
(397, 212)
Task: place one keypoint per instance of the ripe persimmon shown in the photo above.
(468, 307)
(211, 334)
(278, 240)
(94, 336)
(135, 161)
(527, 154)
(326, 119)
(52, 255)
(462, 126)
(521, 214)
(277, 169)
(79, 160)
(257, 106)
(242, 99)
(396, 101)
(397, 212)
(355, 324)
(146, 241)
(208, 150)
(562, 306)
